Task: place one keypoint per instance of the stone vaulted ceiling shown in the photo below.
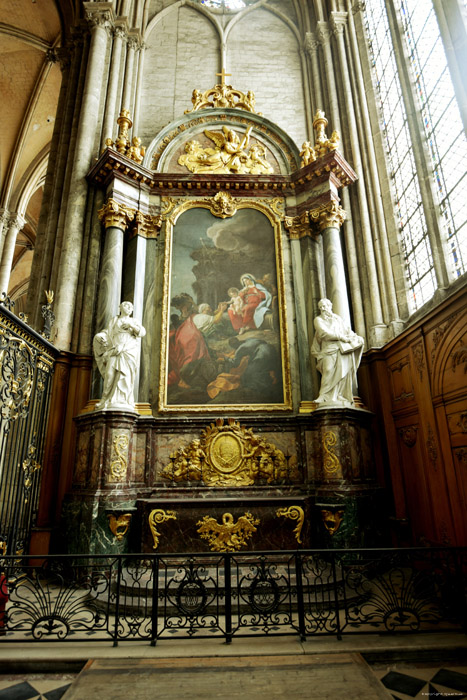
(30, 81)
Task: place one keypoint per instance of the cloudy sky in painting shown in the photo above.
(239, 233)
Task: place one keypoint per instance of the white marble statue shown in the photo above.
(338, 351)
(116, 352)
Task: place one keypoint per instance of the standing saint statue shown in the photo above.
(338, 351)
(116, 352)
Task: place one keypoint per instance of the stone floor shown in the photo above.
(400, 667)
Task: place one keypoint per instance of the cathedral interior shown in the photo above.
(233, 265)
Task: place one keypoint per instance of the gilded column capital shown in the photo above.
(146, 225)
(323, 33)
(338, 22)
(311, 43)
(115, 214)
(298, 226)
(330, 215)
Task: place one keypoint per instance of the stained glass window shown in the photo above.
(443, 133)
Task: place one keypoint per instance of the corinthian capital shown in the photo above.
(298, 226)
(115, 214)
(330, 215)
(16, 221)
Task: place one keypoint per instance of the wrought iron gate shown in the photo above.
(26, 368)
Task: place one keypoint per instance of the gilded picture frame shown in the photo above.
(224, 332)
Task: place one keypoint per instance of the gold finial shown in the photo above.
(323, 145)
(131, 149)
(49, 295)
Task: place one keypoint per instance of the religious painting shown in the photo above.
(224, 344)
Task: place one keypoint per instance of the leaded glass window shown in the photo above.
(443, 134)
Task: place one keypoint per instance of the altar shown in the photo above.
(222, 418)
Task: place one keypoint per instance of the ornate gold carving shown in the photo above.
(230, 536)
(229, 454)
(222, 95)
(242, 120)
(323, 145)
(157, 517)
(222, 205)
(119, 526)
(331, 463)
(329, 215)
(307, 154)
(131, 149)
(298, 226)
(119, 461)
(114, 213)
(409, 435)
(49, 295)
(332, 519)
(228, 156)
(294, 513)
(146, 225)
(168, 203)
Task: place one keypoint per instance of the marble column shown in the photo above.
(115, 217)
(15, 224)
(298, 227)
(330, 218)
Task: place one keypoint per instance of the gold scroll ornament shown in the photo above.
(222, 95)
(294, 513)
(157, 517)
(331, 462)
(229, 454)
(119, 463)
(228, 156)
(228, 536)
(119, 526)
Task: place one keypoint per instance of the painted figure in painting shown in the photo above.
(338, 351)
(256, 302)
(224, 342)
(116, 353)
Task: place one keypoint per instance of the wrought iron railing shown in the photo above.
(26, 367)
(169, 596)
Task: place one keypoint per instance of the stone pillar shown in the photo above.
(378, 326)
(354, 245)
(115, 217)
(330, 218)
(15, 224)
(128, 87)
(70, 257)
(4, 217)
(112, 88)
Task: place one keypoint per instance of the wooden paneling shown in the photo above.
(417, 387)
